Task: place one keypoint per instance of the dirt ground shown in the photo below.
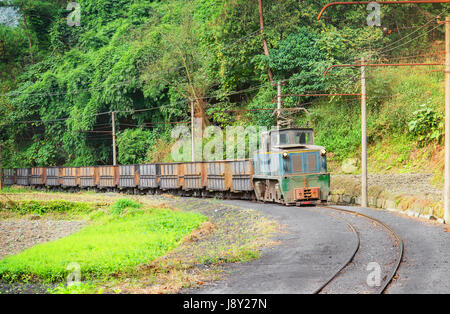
(18, 235)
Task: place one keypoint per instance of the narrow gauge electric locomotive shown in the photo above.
(288, 169)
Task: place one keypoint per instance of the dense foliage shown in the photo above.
(147, 60)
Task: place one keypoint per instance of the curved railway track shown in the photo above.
(357, 246)
(350, 258)
(398, 259)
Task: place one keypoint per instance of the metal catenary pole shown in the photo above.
(447, 85)
(447, 122)
(363, 136)
(363, 66)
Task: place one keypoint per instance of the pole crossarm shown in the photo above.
(380, 2)
(380, 65)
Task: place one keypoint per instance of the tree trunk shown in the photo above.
(27, 32)
(266, 49)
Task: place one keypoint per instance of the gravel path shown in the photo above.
(18, 235)
(404, 183)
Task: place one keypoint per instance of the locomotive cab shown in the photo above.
(290, 169)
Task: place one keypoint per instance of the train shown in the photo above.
(287, 169)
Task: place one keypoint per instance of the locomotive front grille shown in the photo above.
(311, 162)
(297, 163)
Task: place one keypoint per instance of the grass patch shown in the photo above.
(46, 207)
(118, 240)
(81, 288)
(121, 206)
(16, 190)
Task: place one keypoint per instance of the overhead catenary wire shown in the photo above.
(407, 42)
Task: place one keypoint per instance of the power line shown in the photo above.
(407, 42)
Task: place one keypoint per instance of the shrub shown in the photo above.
(133, 145)
(427, 125)
(121, 205)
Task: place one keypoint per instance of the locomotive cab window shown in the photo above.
(292, 137)
(284, 139)
(303, 137)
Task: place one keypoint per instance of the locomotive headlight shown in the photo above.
(323, 152)
(285, 155)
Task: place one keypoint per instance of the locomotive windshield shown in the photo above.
(303, 137)
(292, 137)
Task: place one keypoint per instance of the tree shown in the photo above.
(133, 145)
(299, 59)
(182, 64)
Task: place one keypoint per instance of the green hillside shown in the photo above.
(147, 59)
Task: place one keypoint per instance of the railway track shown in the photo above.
(340, 268)
(389, 230)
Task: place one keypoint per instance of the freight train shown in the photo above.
(287, 169)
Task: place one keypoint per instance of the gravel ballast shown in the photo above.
(401, 183)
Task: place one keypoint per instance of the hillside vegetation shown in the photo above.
(148, 59)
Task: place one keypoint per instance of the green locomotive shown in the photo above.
(290, 169)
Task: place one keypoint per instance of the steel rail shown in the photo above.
(350, 258)
(394, 234)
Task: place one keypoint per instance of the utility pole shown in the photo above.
(192, 131)
(447, 122)
(278, 104)
(113, 118)
(363, 102)
(363, 136)
(1, 168)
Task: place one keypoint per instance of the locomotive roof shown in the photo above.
(292, 129)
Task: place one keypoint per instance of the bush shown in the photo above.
(427, 125)
(121, 205)
(133, 145)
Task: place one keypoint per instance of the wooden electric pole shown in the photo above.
(279, 104)
(364, 202)
(447, 122)
(113, 118)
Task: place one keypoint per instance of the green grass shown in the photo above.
(17, 190)
(118, 240)
(47, 207)
(82, 288)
